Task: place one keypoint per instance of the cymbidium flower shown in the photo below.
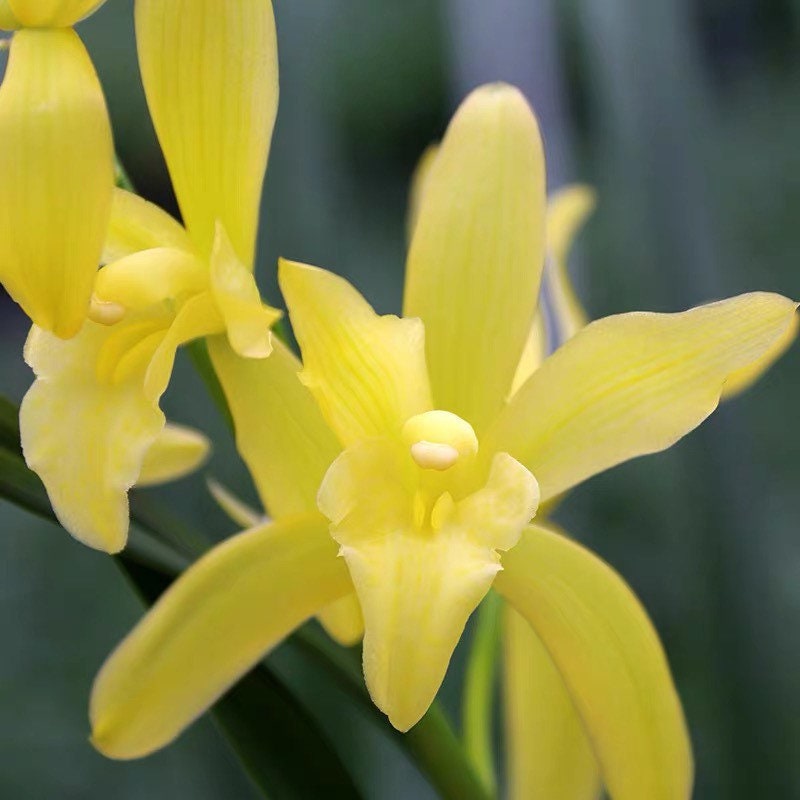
(56, 163)
(209, 69)
(426, 475)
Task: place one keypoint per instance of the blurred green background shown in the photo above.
(686, 116)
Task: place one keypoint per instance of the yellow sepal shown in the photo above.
(547, 752)
(56, 163)
(477, 252)
(210, 72)
(214, 624)
(610, 658)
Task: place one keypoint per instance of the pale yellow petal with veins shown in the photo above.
(210, 72)
(223, 614)
(343, 620)
(477, 252)
(742, 379)
(177, 451)
(611, 660)
(56, 163)
(419, 183)
(420, 567)
(547, 752)
(52, 13)
(366, 372)
(137, 225)
(633, 384)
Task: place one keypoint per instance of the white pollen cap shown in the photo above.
(433, 455)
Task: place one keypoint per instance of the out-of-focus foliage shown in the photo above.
(685, 114)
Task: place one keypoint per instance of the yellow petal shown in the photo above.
(418, 576)
(56, 163)
(478, 250)
(137, 225)
(567, 210)
(215, 623)
(210, 72)
(8, 22)
(742, 379)
(149, 277)
(343, 620)
(419, 182)
(247, 319)
(280, 432)
(611, 660)
(367, 372)
(633, 384)
(241, 513)
(547, 752)
(85, 438)
(52, 13)
(178, 451)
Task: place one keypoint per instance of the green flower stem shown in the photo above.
(479, 691)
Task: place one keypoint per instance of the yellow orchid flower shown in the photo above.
(57, 164)
(427, 476)
(209, 69)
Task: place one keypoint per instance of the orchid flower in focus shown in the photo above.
(403, 474)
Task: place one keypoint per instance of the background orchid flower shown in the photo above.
(427, 474)
(57, 164)
(210, 73)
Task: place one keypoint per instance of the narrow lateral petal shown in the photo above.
(418, 576)
(85, 437)
(741, 380)
(214, 624)
(138, 225)
(343, 620)
(280, 432)
(367, 372)
(611, 660)
(177, 451)
(567, 210)
(633, 384)
(210, 72)
(547, 752)
(52, 13)
(56, 163)
(247, 320)
(478, 250)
